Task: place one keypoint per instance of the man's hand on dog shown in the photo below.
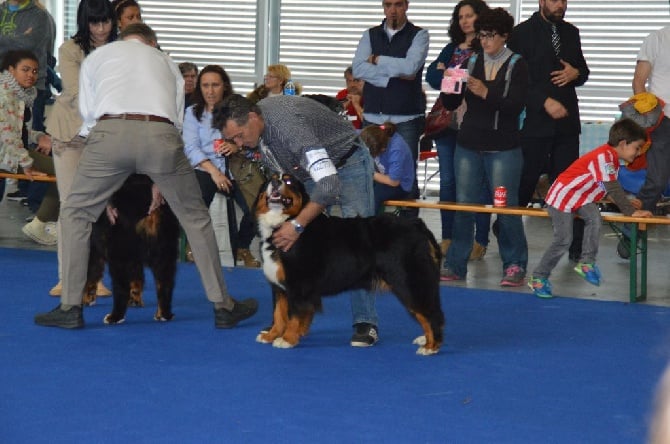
(285, 236)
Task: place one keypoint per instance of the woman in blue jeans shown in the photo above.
(456, 54)
(488, 149)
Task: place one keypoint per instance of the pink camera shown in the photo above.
(455, 82)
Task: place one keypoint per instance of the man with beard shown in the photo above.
(556, 66)
(390, 59)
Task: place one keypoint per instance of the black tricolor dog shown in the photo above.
(135, 240)
(336, 254)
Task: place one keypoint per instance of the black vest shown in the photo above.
(400, 97)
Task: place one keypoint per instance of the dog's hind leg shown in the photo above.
(164, 277)
(279, 320)
(430, 342)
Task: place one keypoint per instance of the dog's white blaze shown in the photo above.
(266, 223)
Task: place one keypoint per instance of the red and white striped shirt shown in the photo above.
(582, 182)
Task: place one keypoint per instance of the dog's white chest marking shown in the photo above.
(266, 224)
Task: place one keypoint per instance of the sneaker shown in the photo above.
(244, 255)
(17, 196)
(241, 310)
(589, 272)
(72, 318)
(365, 335)
(37, 231)
(57, 289)
(447, 275)
(514, 276)
(541, 287)
(478, 252)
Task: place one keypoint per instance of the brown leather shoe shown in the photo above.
(244, 255)
(57, 289)
(444, 246)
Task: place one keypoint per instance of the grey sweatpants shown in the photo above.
(562, 225)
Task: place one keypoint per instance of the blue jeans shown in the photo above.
(445, 152)
(475, 169)
(357, 199)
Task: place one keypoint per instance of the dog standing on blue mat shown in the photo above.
(335, 254)
(134, 240)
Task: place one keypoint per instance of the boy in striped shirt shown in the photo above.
(576, 190)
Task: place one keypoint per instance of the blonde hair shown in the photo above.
(281, 71)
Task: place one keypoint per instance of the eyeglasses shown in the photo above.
(270, 76)
(486, 35)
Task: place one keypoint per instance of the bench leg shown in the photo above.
(636, 233)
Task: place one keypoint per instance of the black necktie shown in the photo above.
(555, 39)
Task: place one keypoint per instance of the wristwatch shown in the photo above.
(298, 228)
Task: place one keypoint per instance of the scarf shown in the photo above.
(26, 95)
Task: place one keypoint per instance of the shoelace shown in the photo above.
(512, 270)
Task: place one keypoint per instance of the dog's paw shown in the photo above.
(423, 351)
(263, 339)
(419, 340)
(282, 343)
(113, 320)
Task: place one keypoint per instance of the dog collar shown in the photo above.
(298, 228)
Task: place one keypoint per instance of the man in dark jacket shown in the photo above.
(550, 135)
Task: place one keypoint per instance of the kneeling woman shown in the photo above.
(394, 165)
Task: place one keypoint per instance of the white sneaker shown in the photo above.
(40, 233)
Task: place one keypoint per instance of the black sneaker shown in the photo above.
(241, 310)
(365, 335)
(16, 195)
(73, 318)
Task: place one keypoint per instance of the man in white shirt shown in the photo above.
(652, 74)
(131, 97)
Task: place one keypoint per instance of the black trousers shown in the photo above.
(658, 166)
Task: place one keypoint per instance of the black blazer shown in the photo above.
(532, 39)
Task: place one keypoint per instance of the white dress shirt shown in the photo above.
(129, 76)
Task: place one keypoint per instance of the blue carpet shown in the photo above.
(515, 369)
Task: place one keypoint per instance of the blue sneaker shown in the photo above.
(589, 272)
(541, 287)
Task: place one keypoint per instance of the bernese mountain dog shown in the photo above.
(336, 254)
(136, 239)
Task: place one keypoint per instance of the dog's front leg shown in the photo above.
(279, 318)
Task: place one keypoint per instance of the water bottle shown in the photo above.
(289, 88)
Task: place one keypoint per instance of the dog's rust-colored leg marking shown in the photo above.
(306, 323)
(90, 291)
(136, 289)
(431, 345)
(292, 334)
(149, 224)
(280, 319)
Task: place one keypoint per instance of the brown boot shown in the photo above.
(244, 255)
(444, 246)
(478, 252)
(102, 291)
(57, 289)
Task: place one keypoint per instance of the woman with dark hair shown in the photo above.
(394, 165)
(456, 54)
(127, 12)
(488, 150)
(210, 155)
(96, 26)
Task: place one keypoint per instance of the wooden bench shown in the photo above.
(6, 175)
(638, 232)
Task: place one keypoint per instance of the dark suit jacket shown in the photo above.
(532, 39)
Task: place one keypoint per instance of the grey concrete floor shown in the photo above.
(484, 274)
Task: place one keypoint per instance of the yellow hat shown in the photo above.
(644, 102)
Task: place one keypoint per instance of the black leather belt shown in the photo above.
(343, 160)
(141, 117)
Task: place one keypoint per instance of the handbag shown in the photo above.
(438, 121)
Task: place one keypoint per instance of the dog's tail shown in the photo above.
(436, 252)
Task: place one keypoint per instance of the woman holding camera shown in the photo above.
(208, 153)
